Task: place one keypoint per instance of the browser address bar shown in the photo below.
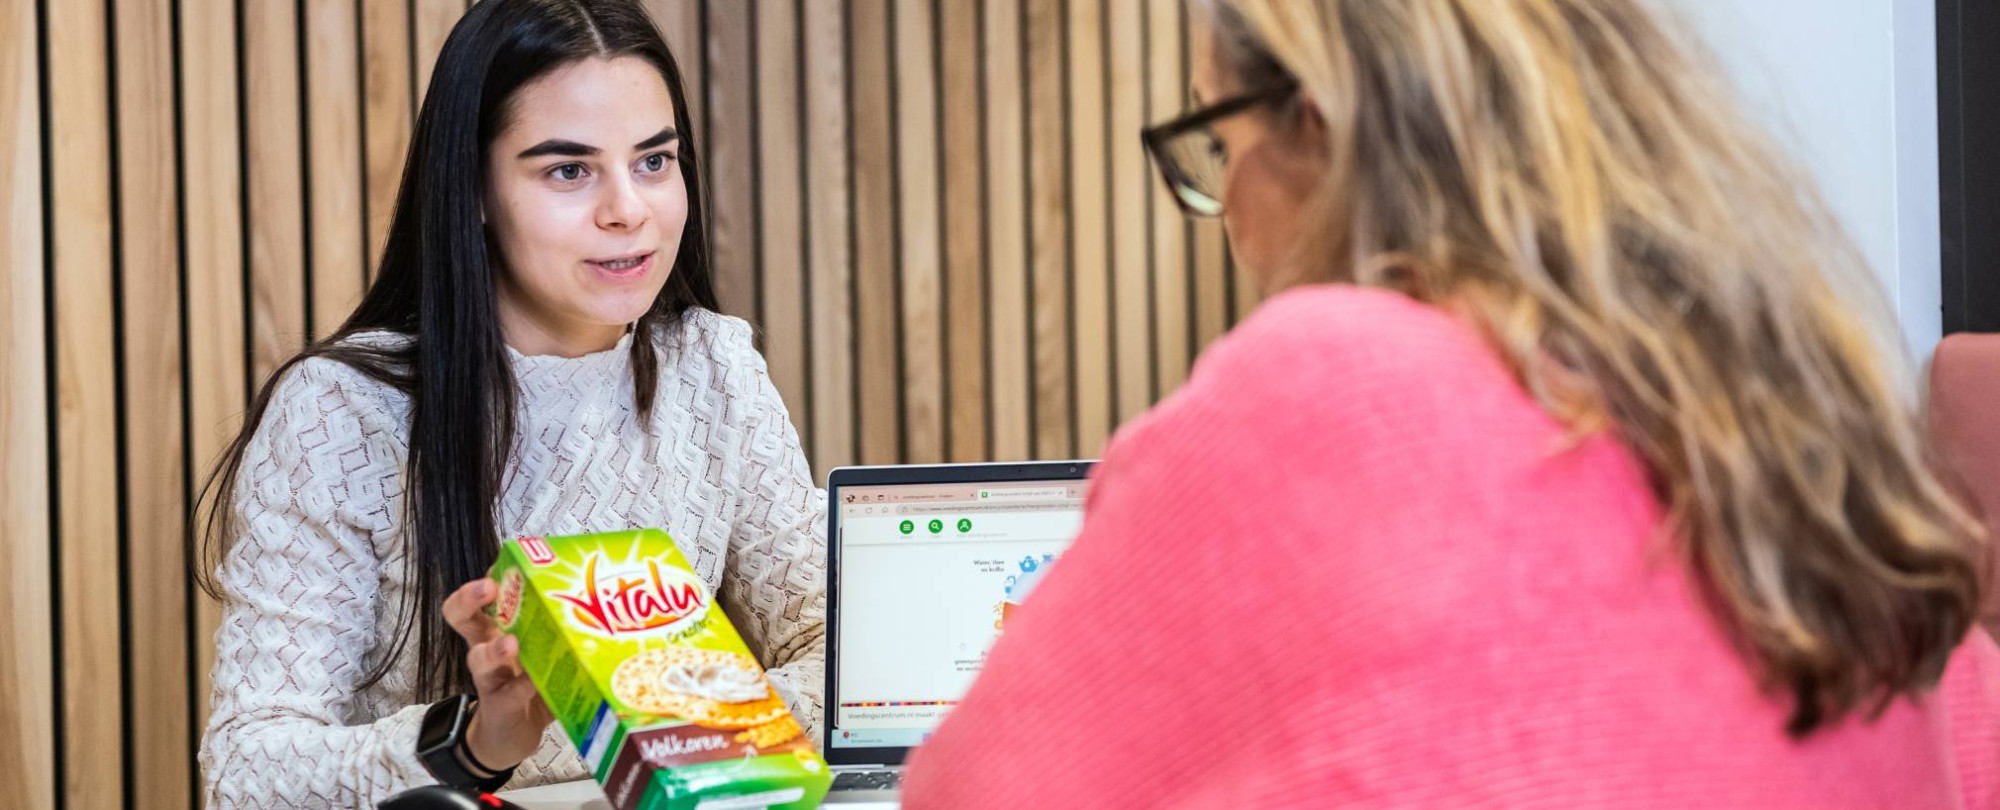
(981, 508)
(1033, 493)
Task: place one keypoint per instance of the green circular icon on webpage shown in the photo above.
(964, 525)
(937, 526)
(908, 527)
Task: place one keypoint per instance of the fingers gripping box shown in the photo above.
(649, 678)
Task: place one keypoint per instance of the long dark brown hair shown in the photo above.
(435, 284)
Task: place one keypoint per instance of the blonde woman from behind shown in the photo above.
(1568, 465)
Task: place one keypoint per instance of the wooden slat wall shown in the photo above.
(1007, 417)
(920, 245)
(274, 172)
(781, 205)
(212, 264)
(829, 264)
(336, 175)
(1053, 425)
(154, 446)
(937, 215)
(27, 636)
(733, 213)
(87, 543)
(1089, 223)
(966, 304)
(388, 103)
(880, 409)
(430, 22)
(1131, 217)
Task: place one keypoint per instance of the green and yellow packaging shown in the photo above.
(649, 678)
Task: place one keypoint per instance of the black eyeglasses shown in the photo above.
(1191, 161)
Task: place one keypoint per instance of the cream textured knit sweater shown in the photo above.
(311, 588)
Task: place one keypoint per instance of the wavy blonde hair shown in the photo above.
(1573, 176)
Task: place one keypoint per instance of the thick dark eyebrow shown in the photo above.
(661, 138)
(556, 146)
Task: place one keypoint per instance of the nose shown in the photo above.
(621, 208)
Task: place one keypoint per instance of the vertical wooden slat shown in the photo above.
(333, 116)
(1048, 184)
(430, 27)
(1244, 284)
(1092, 252)
(731, 156)
(1006, 218)
(149, 238)
(385, 67)
(921, 239)
(1166, 90)
(86, 408)
(875, 236)
(27, 671)
(1211, 282)
(210, 144)
(827, 259)
(680, 21)
(1130, 241)
(781, 209)
(277, 198)
(964, 226)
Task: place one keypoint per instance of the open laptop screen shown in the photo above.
(928, 576)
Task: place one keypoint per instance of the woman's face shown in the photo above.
(586, 204)
(1274, 164)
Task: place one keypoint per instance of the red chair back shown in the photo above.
(1965, 422)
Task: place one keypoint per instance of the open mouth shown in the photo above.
(627, 265)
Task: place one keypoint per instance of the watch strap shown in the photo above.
(448, 759)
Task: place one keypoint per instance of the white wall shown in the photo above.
(1851, 87)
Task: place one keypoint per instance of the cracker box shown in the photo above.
(649, 678)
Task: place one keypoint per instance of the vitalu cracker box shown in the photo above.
(649, 678)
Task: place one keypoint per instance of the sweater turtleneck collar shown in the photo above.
(596, 368)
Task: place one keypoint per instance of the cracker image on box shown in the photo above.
(648, 677)
(709, 687)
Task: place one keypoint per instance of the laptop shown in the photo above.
(925, 564)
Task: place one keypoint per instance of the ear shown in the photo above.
(1311, 121)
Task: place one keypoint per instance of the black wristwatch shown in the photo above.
(441, 747)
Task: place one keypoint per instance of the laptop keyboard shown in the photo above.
(868, 780)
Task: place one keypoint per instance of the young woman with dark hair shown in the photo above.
(540, 353)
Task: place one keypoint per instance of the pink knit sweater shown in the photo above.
(1352, 564)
